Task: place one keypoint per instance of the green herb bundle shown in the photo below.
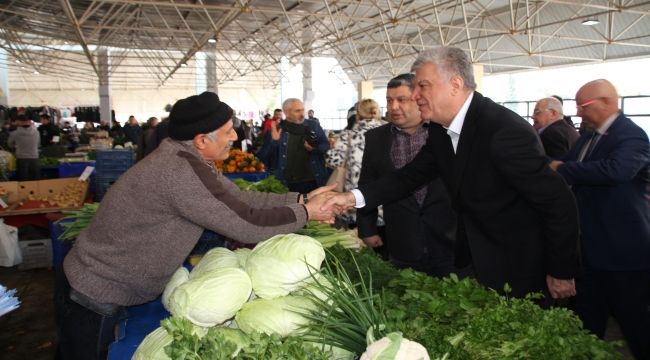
(75, 221)
(270, 184)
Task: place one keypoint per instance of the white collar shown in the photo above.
(605, 126)
(457, 123)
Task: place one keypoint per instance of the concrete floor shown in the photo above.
(30, 331)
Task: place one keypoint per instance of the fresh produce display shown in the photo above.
(270, 184)
(329, 236)
(279, 265)
(180, 276)
(239, 161)
(358, 305)
(46, 161)
(76, 220)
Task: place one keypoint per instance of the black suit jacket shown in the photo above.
(411, 229)
(558, 138)
(517, 217)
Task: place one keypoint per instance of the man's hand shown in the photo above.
(373, 241)
(275, 133)
(321, 190)
(559, 288)
(315, 206)
(555, 164)
(308, 147)
(339, 202)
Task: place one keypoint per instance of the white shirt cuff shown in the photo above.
(359, 200)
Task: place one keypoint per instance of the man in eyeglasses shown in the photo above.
(557, 135)
(609, 170)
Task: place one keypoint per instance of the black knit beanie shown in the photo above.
(197, 114)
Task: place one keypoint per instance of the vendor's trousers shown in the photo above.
(84, 334)
(27, 169)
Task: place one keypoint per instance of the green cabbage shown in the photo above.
(153, 346)
(395, 347)
(242, 255)
(211, 298)
(217, 258)
(180, 276)
(280, 316)
(278, 265)
(234, 336)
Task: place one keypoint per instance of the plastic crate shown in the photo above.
(74, 169)
(36, 254)
(113, 161)
(59, 248)
(102, 183)
(248, 176)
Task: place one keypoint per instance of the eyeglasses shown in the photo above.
(538, 111)
(586, 103)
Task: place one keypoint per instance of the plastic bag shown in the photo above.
(10, 254)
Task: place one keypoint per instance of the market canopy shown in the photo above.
(154, 42)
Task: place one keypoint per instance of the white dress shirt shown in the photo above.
(453, 131)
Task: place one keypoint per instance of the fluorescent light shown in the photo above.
(590, 22)
(212, 40)
(183, 64)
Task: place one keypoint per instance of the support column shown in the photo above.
(105, 100)
(211, 70)
(4, 79)
(478, 76)
(307, 90)
(364, 89)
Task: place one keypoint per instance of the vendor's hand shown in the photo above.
(275, 133)
(321, 190)
(317, 211)
(308, 147)
(560, 288)
(373, 241)
(555, 164)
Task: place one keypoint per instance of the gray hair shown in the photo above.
(212, 136)
(449, 61)
(288, 102)
(553, 104)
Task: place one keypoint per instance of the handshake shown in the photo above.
(324, 203)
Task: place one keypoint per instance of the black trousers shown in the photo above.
(623, 294)
(28, 169)
(83, 333)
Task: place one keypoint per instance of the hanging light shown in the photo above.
(590, 22)
(212, 40)
(183, 64)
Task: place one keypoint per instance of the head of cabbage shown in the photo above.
(281, 264)
(281, 315)
(180, 276)
(217, 258)
(153, 345)
(394, 347)
(211, 298)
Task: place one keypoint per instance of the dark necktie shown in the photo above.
(591, 143)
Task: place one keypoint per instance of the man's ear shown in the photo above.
(457, 84)
(199, 141)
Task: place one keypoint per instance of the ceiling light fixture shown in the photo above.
(17, 61)
(183, 64)
(590, 22)
(36, 72)
(212, 40)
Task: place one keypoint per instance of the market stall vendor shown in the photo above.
(152, 217)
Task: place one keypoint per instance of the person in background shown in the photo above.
(152, 217)
(149, 137)
(25, 139)
(609, 172)
(310, 116)
(276, 119)
(47, 131)
(566, 118)
(133, 132)
(351, 143)
(517, 219)
(556, 135)
(419, 230)
(294, 149)
(4, 135)
(103, 125)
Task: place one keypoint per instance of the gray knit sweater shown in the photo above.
(151, 218)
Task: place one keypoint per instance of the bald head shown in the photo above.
(596, 101)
